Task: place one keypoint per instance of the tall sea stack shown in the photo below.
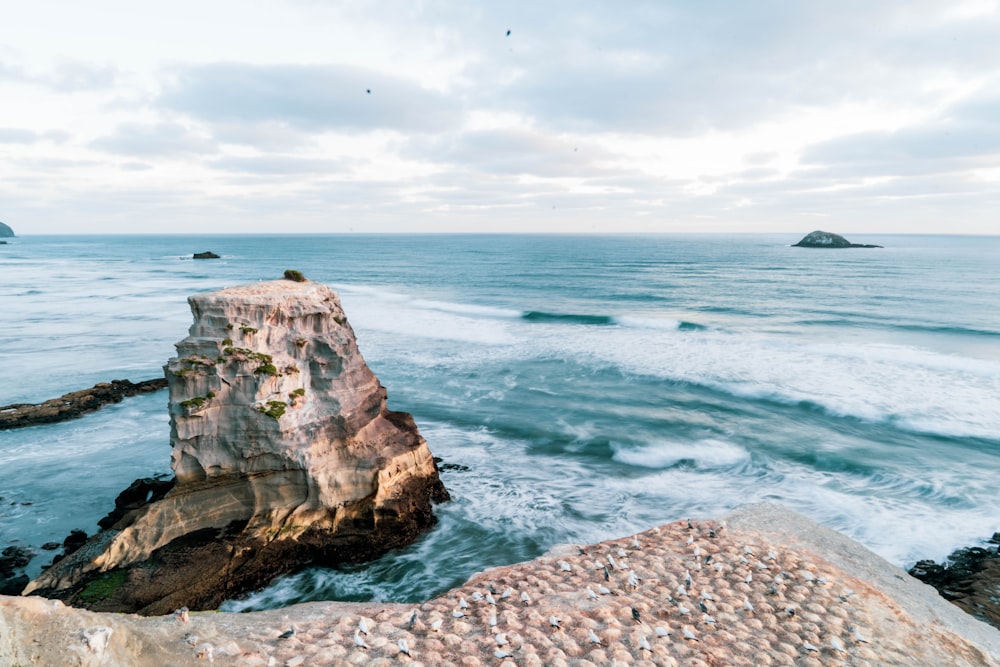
(284, 453)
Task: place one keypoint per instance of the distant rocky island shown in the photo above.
(821, 239)
(284, 455)
(6, 232)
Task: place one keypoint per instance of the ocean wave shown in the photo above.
(705, 454)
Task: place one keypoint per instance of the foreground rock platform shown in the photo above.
(777, 589)
(284, 454)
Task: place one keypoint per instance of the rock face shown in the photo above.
(284, 454)
(820, 239)
(5, 231)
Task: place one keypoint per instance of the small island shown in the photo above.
(208, 254)
(821, 239)
(6, 232)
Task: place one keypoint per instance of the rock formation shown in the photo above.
(284, 454)
(820, 239)
(208, 254)
(74, 404)
(5, 231)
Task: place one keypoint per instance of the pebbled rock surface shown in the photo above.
(74, 404)
(821, 239)
(284, 454)
(771, 588)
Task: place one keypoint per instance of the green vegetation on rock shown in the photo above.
(297, 276)
(103, 587)
(274, 409)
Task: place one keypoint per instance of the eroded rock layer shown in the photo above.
(284, 454)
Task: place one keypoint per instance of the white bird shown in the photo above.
(689, 635)
(525, 598)
(858, 637)
(359, 642)
(492, 620)
(477, 596)
(604, 590)
(807, 576)
(462, 603)
(554, 621)
(748, 606)
(403, 646)
(592, 636)
(771, 556)
(706, 595)
(564, 566)
(682, 609)
(501, 639)
(662, 631)
(809, 647)
(363, 626)
(490, 599)
(635, 543)
(591, 594)
(697, 551)
(436, 625)
(682, 591)
(687, 578)
(749, 577)
(507, 593)
(718, 567)
(748, 551)
(836, 645)
(644, 644)
(458, 613)
(708, 619)
(744, 561)
(633, 580)
(500, 654)
(690, 541)
(611, 562)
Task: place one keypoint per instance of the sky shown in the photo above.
(313, 116)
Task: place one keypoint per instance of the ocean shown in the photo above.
(580, 387)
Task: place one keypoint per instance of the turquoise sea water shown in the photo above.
(594, 386)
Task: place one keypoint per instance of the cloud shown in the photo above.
(159, 139)
(312, 98)
(512, 151)
(9, 135)
(74, 76)
(277, 165)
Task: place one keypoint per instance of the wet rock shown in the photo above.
(74, 404)
(969, 578)
(208, 254)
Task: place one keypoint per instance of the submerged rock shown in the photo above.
(284, 454)
(820, 239)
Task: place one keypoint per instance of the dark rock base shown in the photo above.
(203, 569)
(969, 578)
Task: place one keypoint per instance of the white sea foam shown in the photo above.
(709, 453)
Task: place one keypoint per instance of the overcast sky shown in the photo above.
(316, 116)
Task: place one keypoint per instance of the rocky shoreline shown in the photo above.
(75, 403)
(765, 586)
(969, 578)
